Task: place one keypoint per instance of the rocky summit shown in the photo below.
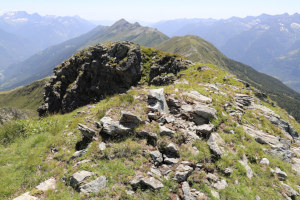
(131, 122)
(104, 70)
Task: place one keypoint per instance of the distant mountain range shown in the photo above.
(41, 64)
(23, 34)
(261, 42)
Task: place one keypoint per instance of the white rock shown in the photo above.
(49, 184)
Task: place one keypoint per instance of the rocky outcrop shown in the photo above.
(102, 70)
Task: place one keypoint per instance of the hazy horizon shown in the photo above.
(152, 11)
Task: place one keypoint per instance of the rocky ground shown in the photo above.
(202, 135)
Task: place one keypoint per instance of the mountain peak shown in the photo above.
(121, 22)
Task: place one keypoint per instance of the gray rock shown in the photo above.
(244, 162)
(264, 161)
(78, 177)
(296, 165)
(172, 150)
(114, 128)
(86, 131)
(150, 183)
(157, 101)
(49, 184)
(163, 80)
(263, 138)
(151, 137)
(257, 197)
(244, 100)
(94, 186)
(197, 96)
(213, 143)
(215, 194)
(187, 194)
(282, 176)
(129, 120)
(220, 185)
(186, 109)
(153, 116)
(205, 112)
(182, 173)
(170, 119)
(156, 157)
(228, 171)
(165, 131)
(102, 146)
(212, 177)
(26, 196)
(205, 129)
(170, 161)
(81, 162)
(289, 191)
(78, 154)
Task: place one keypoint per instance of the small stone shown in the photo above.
(257, 197)
(205, 112)
(170, 161)
(187, 194)
(172, 151)
(182, 173)
(94, 186)
(102, 146)
(170, 119)
(228, 171)
(220, 185)
(215, 194)
(264, 161)
(212, 177)
(157, 101)
(81, 162)
(165, 131)
(156, 157)
(86, 131)
(129, 120)
(213, 143)
(282, 176)
(49, 184)
(244, 162)
(26, 196)
(78, 177)
(151, 137)
(205, 129)
(199, 97)
(78, 154)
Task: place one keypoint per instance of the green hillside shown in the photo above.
(198, 50)
(28, 97)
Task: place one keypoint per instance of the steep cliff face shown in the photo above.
(106, 69)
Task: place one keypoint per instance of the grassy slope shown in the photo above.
(198, 50)
(28, 97)
(28, 159)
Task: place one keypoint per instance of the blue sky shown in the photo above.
(152, 10)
